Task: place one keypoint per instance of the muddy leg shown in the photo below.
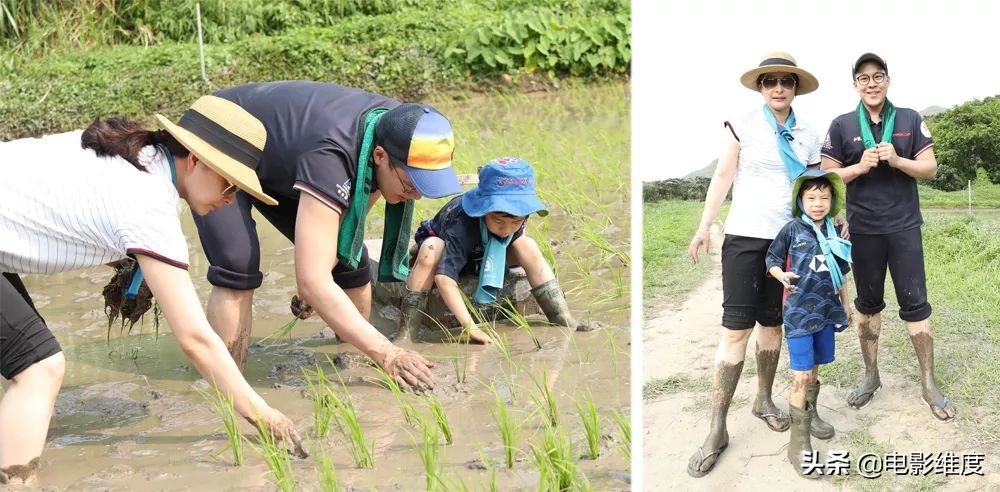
(25, 411)
(527, 254)
(923, 343)
(768, 349)
(729, 360)
(869, 329)
(362, 299)
(230, 312)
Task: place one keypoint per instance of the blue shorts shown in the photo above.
(811, 350)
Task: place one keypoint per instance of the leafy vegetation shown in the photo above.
(966, 139)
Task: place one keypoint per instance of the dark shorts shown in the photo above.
(811, 350)
(24, 338)
(749, 295)
(903, 253)
(229, 237)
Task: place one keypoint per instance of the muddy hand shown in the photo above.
(842, 224)
(410, 370)
(283, 430)
(300, 309)
(786, 279)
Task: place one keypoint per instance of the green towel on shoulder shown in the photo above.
(395, 258)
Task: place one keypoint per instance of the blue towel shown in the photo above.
(494, 266)
(783, 133)
(133, 288)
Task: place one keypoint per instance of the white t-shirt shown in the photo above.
(761, 203)
(62, 207)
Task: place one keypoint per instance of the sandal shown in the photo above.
(698, 459)
(780, 423)
(939, 406)
(857, 395)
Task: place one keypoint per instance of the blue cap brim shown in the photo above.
(477, 205)
(434, 184)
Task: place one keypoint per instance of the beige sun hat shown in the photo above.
(779, 61)
(227, 138)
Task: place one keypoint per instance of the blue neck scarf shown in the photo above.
(833, 247)
(133, 287)
(783, 133)
(494, 265)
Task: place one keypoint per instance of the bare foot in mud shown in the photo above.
(941, 406)
(864, 392)
(19, 474)
(479, 337)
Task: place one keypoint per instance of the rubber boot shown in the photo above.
(553, 303)
(412, 306)
(799, 441)
(818, 428)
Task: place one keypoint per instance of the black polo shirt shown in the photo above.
(884, 200)
(312, 136)
(463, 241)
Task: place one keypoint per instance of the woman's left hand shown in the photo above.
(282, 430)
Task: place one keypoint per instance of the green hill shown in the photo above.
(706, 171)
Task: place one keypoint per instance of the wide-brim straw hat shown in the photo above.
(227, 138)
(779, 61)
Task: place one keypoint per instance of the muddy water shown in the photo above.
(129, 416)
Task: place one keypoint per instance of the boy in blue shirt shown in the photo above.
(810, 259)
(478, 232)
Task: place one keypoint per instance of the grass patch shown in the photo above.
(667, 272)
(655, 388)
(984, 195)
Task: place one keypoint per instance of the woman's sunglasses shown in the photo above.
(770, 82)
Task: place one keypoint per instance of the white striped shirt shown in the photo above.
(62, 207)
(762, 192)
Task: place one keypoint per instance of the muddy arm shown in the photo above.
(179, 302)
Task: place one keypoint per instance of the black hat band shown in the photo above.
(777, 61)
(222, 139)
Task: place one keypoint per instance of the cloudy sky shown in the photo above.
(688, 57)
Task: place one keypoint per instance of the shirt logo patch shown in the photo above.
(924, 130)
(828, 144)
(818, 264)
(799, 244)
(344, 189)
(857, 139)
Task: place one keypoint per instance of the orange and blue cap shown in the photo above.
(421, 139)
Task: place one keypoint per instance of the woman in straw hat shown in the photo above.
(762, 155)
(114, 198)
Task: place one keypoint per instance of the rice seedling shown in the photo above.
(409, 412)
(557, 468)
(323, 410)
(490, 469)
(591, 425)
(544, 399)
(284, 332)
(223, 407)
(429, 451)
(326, 474)
(509, 427)
(276, 458)
(440, 418)
(625, 428)
(358, 446)
(519, 320)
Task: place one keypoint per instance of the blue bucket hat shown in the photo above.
(506, 184)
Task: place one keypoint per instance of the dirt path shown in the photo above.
(680, 346)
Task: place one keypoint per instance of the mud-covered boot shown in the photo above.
(818, 428)
(799, 441)
(553, 303)
(412, 307)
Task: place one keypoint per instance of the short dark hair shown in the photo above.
(820, 183)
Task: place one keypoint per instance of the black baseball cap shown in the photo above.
(869, 57)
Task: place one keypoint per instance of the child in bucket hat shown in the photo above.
(810, 259)
(478, 232)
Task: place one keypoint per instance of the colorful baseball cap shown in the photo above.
(421, 139)
(839, 191)
(506, 184)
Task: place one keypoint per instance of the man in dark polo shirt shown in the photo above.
(880, 151)
(320, 139)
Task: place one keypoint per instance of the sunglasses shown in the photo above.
(770, 82)
(230, 190)
(407, 190)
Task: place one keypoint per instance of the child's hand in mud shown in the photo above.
(300, 309)
(786, 279)
(409, 369)
(478, 336)
(282, 429)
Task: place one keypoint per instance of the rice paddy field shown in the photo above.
(541, 409)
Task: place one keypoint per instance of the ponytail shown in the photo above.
(118, 137)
